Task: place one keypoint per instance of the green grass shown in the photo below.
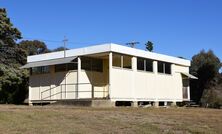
(72, 120)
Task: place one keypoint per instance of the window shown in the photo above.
(127, 63)
(85, 63)
(149, 65)
(97, 65)
(167, 68)
(140, 64)
(160, 67)
(144, 64)
(123, 61)
(164, 67)
(185, 88)
(92, 64)
(65, 67)
(117, 60)
(40, 70)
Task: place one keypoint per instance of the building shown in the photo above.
(108, 72)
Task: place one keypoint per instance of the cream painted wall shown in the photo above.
(128, 85)
(121, 83)
(44, 85)
(96, 80)
(178, 68)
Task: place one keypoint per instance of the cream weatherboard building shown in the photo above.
(108, 72)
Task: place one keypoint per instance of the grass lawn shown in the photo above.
(68, 119)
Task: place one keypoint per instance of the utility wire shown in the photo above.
(131, 44)
(55, 41)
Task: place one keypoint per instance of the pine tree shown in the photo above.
(149, 46)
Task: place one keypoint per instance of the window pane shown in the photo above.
(92, 64)
(116, 60)
(72, 66)
(60, 68)
(85, 63)
(160, 67)
(185, 82)
(149, 65)
(140, 64)
(40, 70)
(167, 68)
(97, 65)
(65, 67)
(185, 92)
(127, 62)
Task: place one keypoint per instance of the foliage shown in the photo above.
(212, 97)
(33, 47)
(205, 59)
(8, 33)
(13, 81)
(13, 84)
(59, 49)
(149, 46)
(205, 66)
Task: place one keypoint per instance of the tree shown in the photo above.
(8, 33)
(13, 81)
(212, 97)
(149, 46)
(59, 49)
(204, 65)
(33, 47)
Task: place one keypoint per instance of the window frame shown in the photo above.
(164, 67)
(40, 70)
(122, 61)
(142, 62)
(91, 66)
(67, 67)
(170, 68)
(145, 64)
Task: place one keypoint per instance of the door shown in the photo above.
(185, 88)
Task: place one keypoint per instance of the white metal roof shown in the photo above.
(49, 62)
(110, 47)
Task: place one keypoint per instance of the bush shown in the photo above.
(212, 97)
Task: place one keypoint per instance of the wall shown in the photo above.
(53, 83)
(126, 84)
(98, 81)
(42, 86)
(133, 85)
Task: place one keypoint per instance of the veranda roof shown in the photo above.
(189, 75)
(49, 62)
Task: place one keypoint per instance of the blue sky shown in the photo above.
(176, 27)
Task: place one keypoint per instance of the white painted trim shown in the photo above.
(109, 48)
(147, 99)
(188, 92)
(110, 72)
(78, 76)
(155, 67)
(134, 68)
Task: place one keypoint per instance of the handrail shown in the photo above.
(49, 89)
(95, 84)
(56, 87)
(69, 92)
(63, 84)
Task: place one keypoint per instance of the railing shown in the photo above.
(76, 92)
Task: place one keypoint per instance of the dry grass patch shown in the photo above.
(70, 120)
